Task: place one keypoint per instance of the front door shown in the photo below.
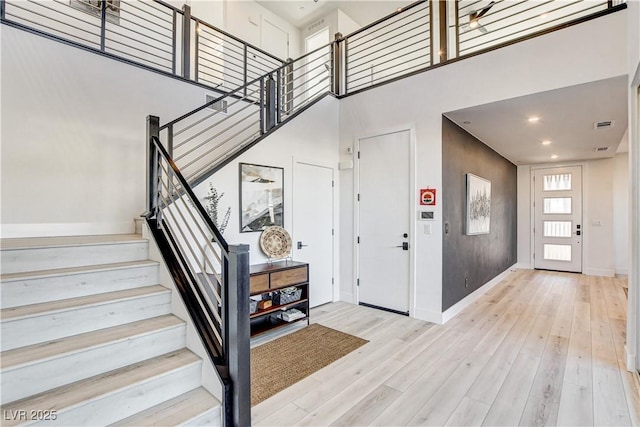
(313, 227)
(383, 219)
(558, 219)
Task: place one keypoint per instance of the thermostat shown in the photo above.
(426, 215)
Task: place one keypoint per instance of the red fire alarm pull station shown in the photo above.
(428, 196)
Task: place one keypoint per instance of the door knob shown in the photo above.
(300, 245)
(404, 246)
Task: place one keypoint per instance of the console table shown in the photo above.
(267, 281)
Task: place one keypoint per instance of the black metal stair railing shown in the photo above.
(259, 93)
(203, 140)
(211, 276)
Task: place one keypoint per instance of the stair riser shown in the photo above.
(21, 260)
(210, 418)
(31, 330)
(33, 291)
(31, 379)
(126, 402)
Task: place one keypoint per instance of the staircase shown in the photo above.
(88, 338)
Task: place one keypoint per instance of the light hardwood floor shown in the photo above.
(540, 348)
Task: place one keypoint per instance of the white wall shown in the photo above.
(336, 20)
(590, 51)
(621, 213)
(73, 136)
(212, 12)
(346, 25)
(312, 136)
(244, 19)
(633, 327)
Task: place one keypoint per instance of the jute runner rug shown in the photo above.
(284, 361)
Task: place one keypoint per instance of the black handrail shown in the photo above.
(231, 355)
(231, 36)
(391, 15)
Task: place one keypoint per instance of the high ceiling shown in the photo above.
(566, 116)
(300, 13)
(566, 119)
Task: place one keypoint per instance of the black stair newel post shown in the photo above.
(336, 65)
(103, 24)
(237, 333)
(186, 41)
(153, 172)
(270, 107)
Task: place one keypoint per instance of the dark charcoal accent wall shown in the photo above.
(482, 257)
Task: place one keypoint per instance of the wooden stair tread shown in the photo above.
(39, 274)
(77, 343)
(14, 313)
(92, 388)
(64, 241)
(173, 412)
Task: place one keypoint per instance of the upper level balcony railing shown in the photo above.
(426, 33)
(429, 33)
(151, 33)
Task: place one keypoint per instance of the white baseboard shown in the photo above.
(347, 297)
(622, 272)
(523, 266)
(600, 272)
(8, 231)
(475, 295)
(631, 360)
(428, 316)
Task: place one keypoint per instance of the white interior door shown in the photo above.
(383, 220)
(275, 40)
(317, 68)
(313, 227)
(558, 219)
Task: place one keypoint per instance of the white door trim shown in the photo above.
(334, 219)
(412, 209)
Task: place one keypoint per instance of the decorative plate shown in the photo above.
(275, 242)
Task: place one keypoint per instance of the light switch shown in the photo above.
(427, 229)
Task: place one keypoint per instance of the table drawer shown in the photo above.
(289, 277)
(259, 283)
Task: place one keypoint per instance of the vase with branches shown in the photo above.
(212, 200)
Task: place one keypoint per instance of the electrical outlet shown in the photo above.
(427, 229)
(466, 282)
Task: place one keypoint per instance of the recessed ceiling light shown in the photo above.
(554, 156)
(533, 119)
(546, 142)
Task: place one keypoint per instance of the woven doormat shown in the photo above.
(283, 362)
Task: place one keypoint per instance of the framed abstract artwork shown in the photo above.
(261, 197)
(478, 205)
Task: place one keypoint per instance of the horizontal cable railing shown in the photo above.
(480, 25)
(150, 33)
(201, 140)
(143, 32)
(211, 276)
(224, 61)
(389, 48)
